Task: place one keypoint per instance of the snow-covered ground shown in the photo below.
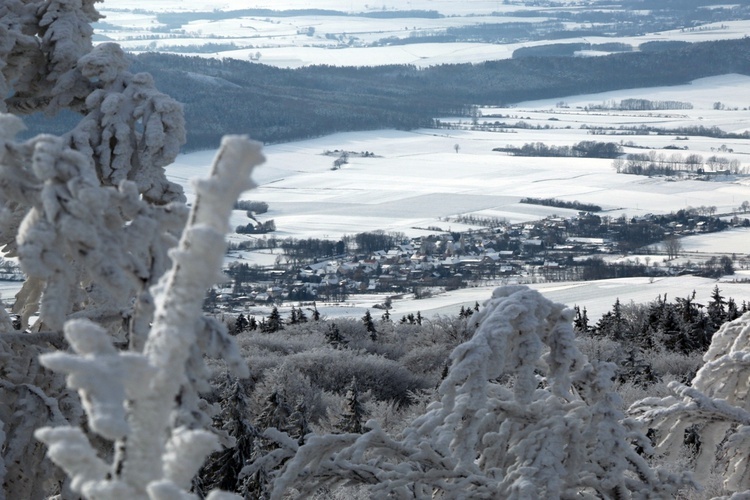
(597, 297)
(417, 180)
(305, 40)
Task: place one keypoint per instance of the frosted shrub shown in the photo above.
(600, 349)
(558, 433)
(296, 388)
(91, 217)
(678, 366)
(427, 361)
(716, 405)
(129, 397)
(333, 370)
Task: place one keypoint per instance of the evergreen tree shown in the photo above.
(633, 368)
(241, 324)
(732, 312)
(716, 310)
(299, 426)
(353, 414)
(252, 324)
(276, 413)
(293, 318)
(316, 314)
(301, 316)
(652, 328)
(334, 337)
(692, 335)
(370, 326)
(274, 322)
(612, 324)
(581, 320)
(386, 316)
(222, 469)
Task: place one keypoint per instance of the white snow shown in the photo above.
(417, 179)
(286, 41)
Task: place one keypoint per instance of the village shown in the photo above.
(585, 246)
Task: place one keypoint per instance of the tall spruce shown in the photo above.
(353, 414)
(274, 323)
(222, 469)
(370, 326)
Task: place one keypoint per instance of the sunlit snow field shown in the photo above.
(285, 42)
(417, 180)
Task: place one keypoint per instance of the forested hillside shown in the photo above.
(276, 105)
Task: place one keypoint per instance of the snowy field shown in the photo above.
(597, 297)
(416, 180)
(297, 41)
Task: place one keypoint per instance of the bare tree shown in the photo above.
(672, 246)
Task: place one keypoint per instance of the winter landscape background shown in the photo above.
(417, 179)
(459, 359)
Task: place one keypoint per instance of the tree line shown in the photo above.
(279, 105)
(554, 202)
(583, 149)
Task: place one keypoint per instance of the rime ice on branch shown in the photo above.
(92, 216)
(129, 396)
(716, 404)
(114, 158)
(522, 414)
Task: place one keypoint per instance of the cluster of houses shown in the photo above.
(555, 248)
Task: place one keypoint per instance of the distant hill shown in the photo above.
(278, 105)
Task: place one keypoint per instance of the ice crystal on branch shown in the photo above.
(716, 405)
(133, 403)
(522, 414)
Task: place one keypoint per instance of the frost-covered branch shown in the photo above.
(716, 404)
(130, 397)
(522, 414)
(87, 248)
(92, 216)
(114, 158)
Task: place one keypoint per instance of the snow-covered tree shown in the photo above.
(522, 414)
(353, 413)
(129, 397)
(223, 467)
(716, 405)
(92, 218)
